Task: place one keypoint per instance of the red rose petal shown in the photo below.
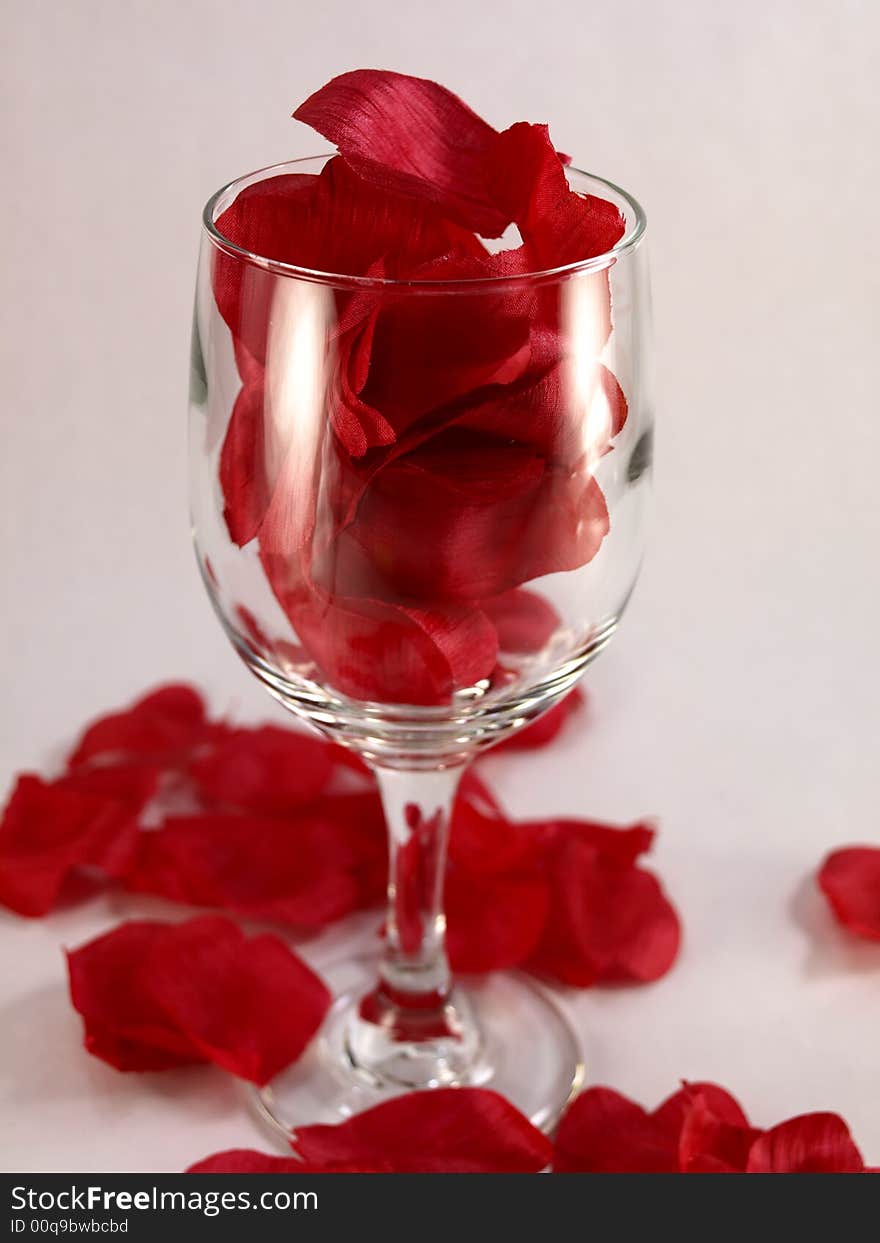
(411, 136)
(700, 1129)
(603, 1132)
(494, 516)
(248, 1004)
(333, 222)
(493, 920)
(712, 1143)
(110, 986)
(267, 769)
(161, 726)
(248, 1161)
(428, 351)
(243, 468)
(482, 839)
(525, 621)
(382, 652)
(306, 870)
(606, 923)
(157, 995)
(558, 225)
(674, 1112)
(49, 829)
(850, 880)
(446, 1130)
(818, 1143)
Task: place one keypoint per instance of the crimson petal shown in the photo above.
(494, 514)
(411, 136)
(110, 986)
(390, 653)
(312, 867)
(267, 769)
(558, 225)
(248, 1161)
(446, 1130)
(248, 1004)
(850, 880)
(158, 995)
(163, 725)
(607, 923)
(49, 829)
(817, 1143)
(494, 920)
(712, 1143)
(603, 1132)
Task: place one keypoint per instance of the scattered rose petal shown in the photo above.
(157, 995)
(699, 1129)
(248, 1161)
(603, 1132)
(162, 726)
(850, 880)
(306, 869)
(267, 769)
(607, 922)
(446, 1130)
(51, 829)
(818, 1143)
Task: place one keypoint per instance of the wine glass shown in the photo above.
(418, 509)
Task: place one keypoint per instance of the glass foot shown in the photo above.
(504, 1032)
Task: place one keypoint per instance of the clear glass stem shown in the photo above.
(414, 1029)
(418, 811)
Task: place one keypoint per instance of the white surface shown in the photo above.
(740, 702)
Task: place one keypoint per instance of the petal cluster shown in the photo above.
(457, 463)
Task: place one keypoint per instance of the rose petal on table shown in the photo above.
(445, 1130)
(50, 829)
(412, 136)
(266, 769)
(850, 880)
(606, 923)
(162, 726)
(701, 1126)
(483, 840)
(494, 920)
(816, 1143)
(712, 1140)
(305, 870)
(154, 995)
(248, 1161)
(248, 1004)
(110, 986)
(603, 1132)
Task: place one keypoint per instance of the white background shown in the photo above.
(739, 703)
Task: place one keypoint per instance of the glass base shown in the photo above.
(503, 1032)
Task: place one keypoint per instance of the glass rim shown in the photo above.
(340, 280)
